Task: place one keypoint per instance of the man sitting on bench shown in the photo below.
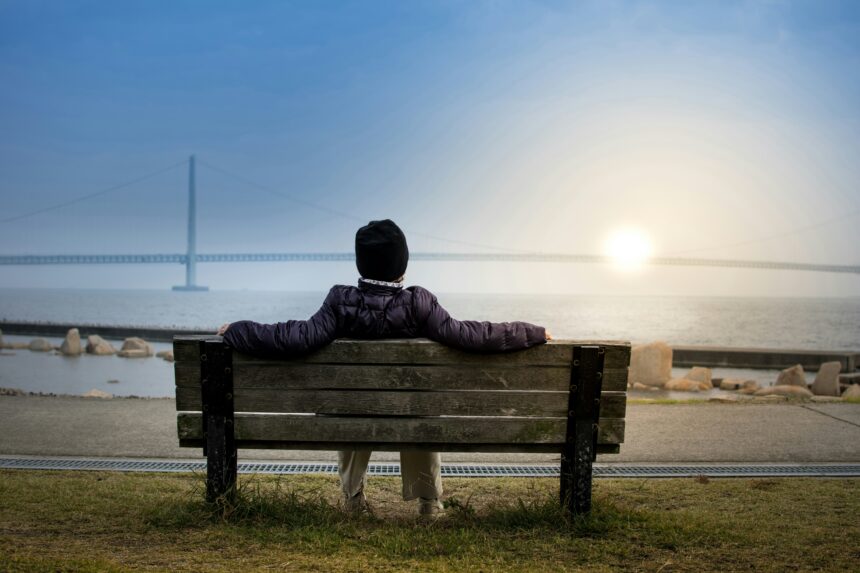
(380, 307)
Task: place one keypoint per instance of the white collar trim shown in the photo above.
(380, 283)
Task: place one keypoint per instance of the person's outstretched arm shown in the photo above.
(288, 339)
(472, 334)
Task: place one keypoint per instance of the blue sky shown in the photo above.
(524, 125)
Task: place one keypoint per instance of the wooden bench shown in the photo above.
(563, 397)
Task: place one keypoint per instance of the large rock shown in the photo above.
(827, 380)
(645, 388)
(737, 384)
(96, 393)
(135, 347)
(749, 387)
(852, 393)
(682, 385)
(785, 390)
(71, 345)
(99, 346)
(792, 377)
(702, 376)
(166, 354)
(40, 345)
(134, 353)
(651, 364)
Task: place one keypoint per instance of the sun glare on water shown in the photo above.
(629, 249)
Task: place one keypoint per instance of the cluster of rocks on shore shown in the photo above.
(93, 393)
(651, 370)
(72, 345)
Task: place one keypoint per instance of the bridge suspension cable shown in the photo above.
(786, 233)
(93, 195)
(345, 215)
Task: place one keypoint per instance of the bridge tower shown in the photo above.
(191, 253)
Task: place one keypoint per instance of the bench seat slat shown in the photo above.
(402, 402)
(396, 447)
(443, 430)
(300, 375)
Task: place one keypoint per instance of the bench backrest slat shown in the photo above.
(402, 403)
(417, 351)
(304, 376)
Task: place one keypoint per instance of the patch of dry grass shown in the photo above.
(83, 521)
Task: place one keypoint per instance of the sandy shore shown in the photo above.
(141, 428)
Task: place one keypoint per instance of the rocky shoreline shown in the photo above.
(88, 366)
(17, 392)
(651, 371)
(72, 345)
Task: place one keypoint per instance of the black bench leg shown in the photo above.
(576, 476)
(580, 446)
(216, 369)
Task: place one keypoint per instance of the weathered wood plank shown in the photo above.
(329, 376)
(298, 375)
(428, 431)
(615, 379)
(423, 351)
(396, 447)
(613, 404)
(617, 355)
(402, 402)
(186, 348)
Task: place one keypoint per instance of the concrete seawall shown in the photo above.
(115, 332)
(683, 356)
(765, 358)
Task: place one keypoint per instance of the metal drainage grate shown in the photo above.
(614, 470)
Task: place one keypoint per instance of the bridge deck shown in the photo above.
(176, 258)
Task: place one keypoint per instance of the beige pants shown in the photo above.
(421, 473)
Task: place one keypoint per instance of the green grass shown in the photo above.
(94, 521)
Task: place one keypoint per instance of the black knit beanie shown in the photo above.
(380, 251)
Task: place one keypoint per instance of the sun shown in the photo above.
(629, 249)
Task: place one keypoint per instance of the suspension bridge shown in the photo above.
(191, 257)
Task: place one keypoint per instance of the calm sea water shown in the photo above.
(821, 324)
(826, 324)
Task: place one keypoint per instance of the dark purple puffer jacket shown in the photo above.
(375, 311)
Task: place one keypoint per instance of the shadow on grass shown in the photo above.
(278, 504)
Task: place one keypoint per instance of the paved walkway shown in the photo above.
(828, 432)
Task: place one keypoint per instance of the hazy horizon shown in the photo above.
(719, 130)
(476, 291)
